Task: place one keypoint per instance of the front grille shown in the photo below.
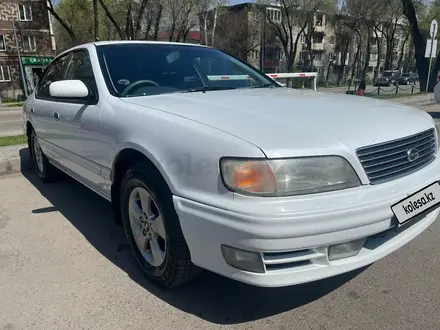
(388, 161)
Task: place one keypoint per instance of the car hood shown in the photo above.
(285, 122)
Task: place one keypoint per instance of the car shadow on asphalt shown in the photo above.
(211, 297)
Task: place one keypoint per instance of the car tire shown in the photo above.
(45, 170)
(152, 228)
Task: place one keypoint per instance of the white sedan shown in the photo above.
(211, 164)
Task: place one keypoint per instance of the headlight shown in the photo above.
(287, 177)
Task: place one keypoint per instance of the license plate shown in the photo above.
(426, 199)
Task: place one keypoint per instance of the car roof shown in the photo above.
(128, 42)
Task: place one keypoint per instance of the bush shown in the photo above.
(8, 100)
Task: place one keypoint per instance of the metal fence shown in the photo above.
(380, 90)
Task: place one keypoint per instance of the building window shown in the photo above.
(2, 43)
(332, 40)
(29, 44)
(5, 73)
(319, 20)
(318, 39)
(274, 15)
(25, 12)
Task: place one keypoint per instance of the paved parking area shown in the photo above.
(64, 264)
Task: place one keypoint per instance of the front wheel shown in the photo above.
(45, 170)
(152, 228)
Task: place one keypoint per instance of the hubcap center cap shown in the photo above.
(145, 226)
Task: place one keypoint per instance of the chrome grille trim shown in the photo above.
(388, 161)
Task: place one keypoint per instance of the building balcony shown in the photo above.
(318, 46)
(317, 62)
(319, 29)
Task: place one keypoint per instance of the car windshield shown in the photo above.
(406, 75)
(150, 69)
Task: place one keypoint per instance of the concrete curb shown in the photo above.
(15, 159)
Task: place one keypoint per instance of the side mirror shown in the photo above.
(68, 89)
(437, 92)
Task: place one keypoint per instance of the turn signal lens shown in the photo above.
(254, 177)
(288, 176)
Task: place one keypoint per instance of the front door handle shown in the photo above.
(56, 115)
(32, 110)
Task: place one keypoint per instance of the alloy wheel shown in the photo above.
(147, 226)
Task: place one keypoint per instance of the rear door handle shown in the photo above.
(56, 115)
(32, 110)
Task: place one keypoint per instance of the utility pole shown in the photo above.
(431, 48)
(19, 58)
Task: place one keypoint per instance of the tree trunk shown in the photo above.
(61, 21)
(214, 25)
(329, 66)
(112, 19)
(157, 22)
(139, 19)
(343, 60)
(96, 19)
(172, 30)
(419, 43)
(148, 29)
(387, 64)
(353, 69)
(379, 55)
(402, 52)
(367, 55)
(391, 55)
(409, 56)
(129, 21)
(205, 27)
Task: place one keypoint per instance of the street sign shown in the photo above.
(434, 29)
(431, 48)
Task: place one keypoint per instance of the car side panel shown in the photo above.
(186, 152)
(77, 142)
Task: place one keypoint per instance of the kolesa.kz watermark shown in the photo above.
(414, 205)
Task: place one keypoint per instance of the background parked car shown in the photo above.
(408, 78)
(387, 78)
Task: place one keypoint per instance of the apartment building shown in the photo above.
(35, 41)
(248, 31)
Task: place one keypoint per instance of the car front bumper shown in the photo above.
(295, 233)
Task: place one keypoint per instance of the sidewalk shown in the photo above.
(15, 159)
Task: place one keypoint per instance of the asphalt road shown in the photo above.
(64, 264)
(10, 121)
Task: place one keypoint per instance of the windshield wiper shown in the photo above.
(206, 89)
